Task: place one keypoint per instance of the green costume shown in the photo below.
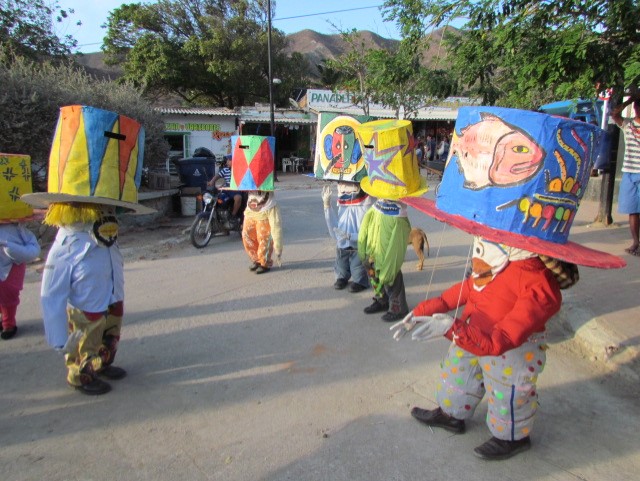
(382, 245)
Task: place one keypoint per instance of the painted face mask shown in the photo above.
(258, 200)
(350, 193)
(105, 230)
(490, 258)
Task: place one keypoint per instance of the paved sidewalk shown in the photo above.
(602, 313)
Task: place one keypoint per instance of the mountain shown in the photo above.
(314, 46)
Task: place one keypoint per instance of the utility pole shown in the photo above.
(270, 79)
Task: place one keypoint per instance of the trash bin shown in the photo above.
(196, 171)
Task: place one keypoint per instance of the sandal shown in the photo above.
(633, 252)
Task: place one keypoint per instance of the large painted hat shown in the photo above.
(392, 165)
(517, 177)
(338, 152)
(96, 158)
(15, 181)
(252, 164)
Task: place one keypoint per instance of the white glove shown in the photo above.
(72, 343)
(326, 196)
(404, 326)
(341, 235)
(433, 327)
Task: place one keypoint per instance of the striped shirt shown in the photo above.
(631, 160)
(226, 173)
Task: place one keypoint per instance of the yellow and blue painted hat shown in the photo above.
(96, 158)
(390, 156)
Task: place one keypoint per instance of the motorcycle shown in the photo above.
(215, 217)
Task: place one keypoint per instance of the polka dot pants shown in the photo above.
(509, 379)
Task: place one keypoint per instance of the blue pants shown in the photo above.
(348, 266)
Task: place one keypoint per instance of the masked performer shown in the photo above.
(393, 173)
(94, 172)
(514, 180)
(18, 245)
(252, 170)
(340, 161)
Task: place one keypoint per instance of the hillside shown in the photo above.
(314, 46)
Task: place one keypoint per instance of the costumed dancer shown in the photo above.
(393, 173)
(252, 169)
(95, 169)
(18, 245)
(514, 179)
(341, 162)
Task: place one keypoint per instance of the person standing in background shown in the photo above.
(629, 195)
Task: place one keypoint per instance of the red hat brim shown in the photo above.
(568, 252)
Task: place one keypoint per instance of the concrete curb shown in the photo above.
(592, 339)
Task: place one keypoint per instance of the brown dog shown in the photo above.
(418, 239)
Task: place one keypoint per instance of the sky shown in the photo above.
(290, 16)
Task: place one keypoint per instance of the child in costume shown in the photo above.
(252, 170)
(342, 163)
(393, 173)
(18, 245)
(514, 179)
(94, 172)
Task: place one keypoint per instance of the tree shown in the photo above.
(27, 29)
(33, 92)
(207, 51)
(396, 79)
(522, 53)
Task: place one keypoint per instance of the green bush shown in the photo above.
(32, 94)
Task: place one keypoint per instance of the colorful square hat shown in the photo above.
(338, 152)
(390, 156)
(96, 158)
(252, 162)
(517, 177)
(15, 181)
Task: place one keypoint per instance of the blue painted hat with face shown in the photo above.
(517, 177)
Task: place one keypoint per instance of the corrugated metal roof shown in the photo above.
(196, 111)
(278, 120)
(432, 113)
(436, 114)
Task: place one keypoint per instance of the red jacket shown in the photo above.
(514, 305)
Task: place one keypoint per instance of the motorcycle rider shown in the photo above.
(225, 173)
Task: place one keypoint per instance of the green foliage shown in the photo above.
(521, 53)
(32, 94)
(27, 28)
(396, 79)
(213, 52)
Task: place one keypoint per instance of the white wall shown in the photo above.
(211, 132)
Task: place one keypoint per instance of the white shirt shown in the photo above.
(79, 273)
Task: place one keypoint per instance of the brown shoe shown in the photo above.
(439, 419)
(497, 449)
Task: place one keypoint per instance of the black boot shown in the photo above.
(112, 372)
(439, 419)
(94, 388)
(496, 449)
(377, 306)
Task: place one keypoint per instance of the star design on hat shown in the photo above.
(8, 174)
(14, 194)
(379, 160)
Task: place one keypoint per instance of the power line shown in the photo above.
(289, 18)
(326, 13)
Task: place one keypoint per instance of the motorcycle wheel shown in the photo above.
(201, 231)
